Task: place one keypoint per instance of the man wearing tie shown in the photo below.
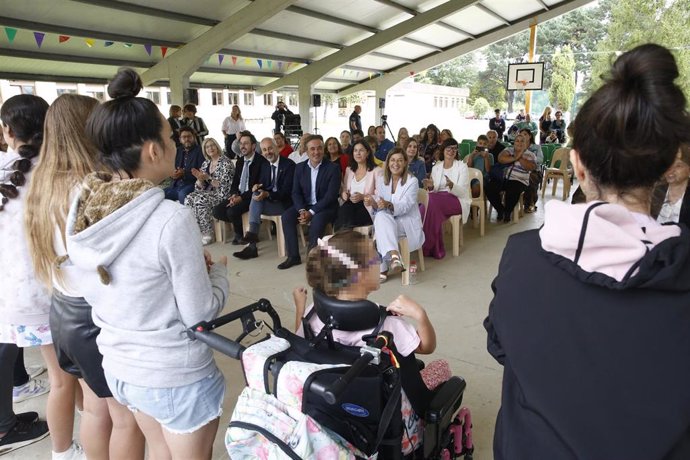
(271, 196)
(247, 171)
(315, 199)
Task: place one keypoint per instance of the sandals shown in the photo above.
(383, 277)
(395, 266)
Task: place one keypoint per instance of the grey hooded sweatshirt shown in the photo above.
(146, 279)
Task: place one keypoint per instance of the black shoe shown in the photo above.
(27, 417)
(506, 218)
(499, 216)
(250, 252)
(274, 230)
(249, 238)
(237, 241)
(22, 434)
(290, 262)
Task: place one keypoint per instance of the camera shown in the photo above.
(384, 117)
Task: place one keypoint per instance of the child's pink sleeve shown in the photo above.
(404, 334)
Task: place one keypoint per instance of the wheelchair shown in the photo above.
(351, 397)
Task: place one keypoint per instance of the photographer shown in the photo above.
(480, 159)
(279, 116)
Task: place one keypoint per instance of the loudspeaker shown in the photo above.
(316, 100)
(382, 103)
(191, 96)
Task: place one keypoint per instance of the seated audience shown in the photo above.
(559, 126)
(604, 344)
(247, 172)
(359, 181)
(175, 122)
(371, 131)
(213, 181)
(396, 213)
(450, 195)
(282, 145)
(346, 142)
(403, 136)
(544, 124)
(428, 145)
(671, 197)
(480, 158)
(495, 147)
(527, 123)
(383, 144)
(415, 164)
(445, 135)
(552, 138)
(357, 135)
(314, 199)
(188, 157)
(336, 155)
(535, 176)
(516, 164)
(196, 123)
(271, 196)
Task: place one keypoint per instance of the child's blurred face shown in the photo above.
(370, 277)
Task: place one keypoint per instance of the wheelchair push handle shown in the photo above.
(217, 342)
(332, 392)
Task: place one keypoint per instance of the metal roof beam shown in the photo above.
(400, 73)
(294, 38)
(322, 67)
(150, 11)
(492, 13)
(185, 60)
(414, 12)
(43, 56)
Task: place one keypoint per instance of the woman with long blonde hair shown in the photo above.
(544, 124)
(67, 156)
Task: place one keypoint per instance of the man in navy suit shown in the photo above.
(314, 199)
(188, 157)
(247, 171)
(271, 196)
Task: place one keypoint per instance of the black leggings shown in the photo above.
(8, 357)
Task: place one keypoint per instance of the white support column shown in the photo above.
(304, 99)
(178, 85)
(380, 94)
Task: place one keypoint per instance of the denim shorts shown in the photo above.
(179, 410)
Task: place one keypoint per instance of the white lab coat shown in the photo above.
(406, 208)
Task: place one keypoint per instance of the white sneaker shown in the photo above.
(206, 239)
(75, 452)
(31, 389)
(35, 371)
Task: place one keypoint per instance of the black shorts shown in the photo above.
(74, 338)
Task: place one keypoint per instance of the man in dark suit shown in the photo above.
(271, 196)
(314, 199)
(247, 172)
(188, 157)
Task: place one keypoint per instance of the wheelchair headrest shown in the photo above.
(346, 315)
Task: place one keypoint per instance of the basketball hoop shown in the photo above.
(521, 82)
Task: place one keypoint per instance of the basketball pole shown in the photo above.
(532, 49)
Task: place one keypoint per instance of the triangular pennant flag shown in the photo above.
(357, 74)
(247, 61)
(39, 38)
(234, 60)
(220, 59)
(280, 65)
(164, 49)
(370, 74)
(270, 64)
(287, 67)
(63, 38)
(108, 43)
(148, 49)
(89, 42)
(261, 63)
(412, 73)
(344, 72)
(11, 33)
(127, 45)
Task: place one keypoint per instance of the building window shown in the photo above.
(233, 98)
(168, 97)
(25, 89)
(153, 96)
(248, 98)
(216, 98)
(98, 95)
(435, 102)
(268, 99)
(61, 91)
(342, 103)
(292, 99)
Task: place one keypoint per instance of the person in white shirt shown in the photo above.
(232, 125)
(300, 155)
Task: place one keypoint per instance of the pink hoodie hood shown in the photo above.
(601, 237)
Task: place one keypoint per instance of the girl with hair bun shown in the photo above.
(598, 357)
(152, 278)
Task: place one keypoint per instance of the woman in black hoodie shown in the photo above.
(595, 363)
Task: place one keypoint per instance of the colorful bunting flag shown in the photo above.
(164, 49)
(148, 49)
(127, 45)
(39, 38)
(261, 63)
(63, 38)
(270, 64)
(280, 65)
(357, 74)
(89, 42)
(108, 43)
(234, 60)
(11, 33)
(220, 59)
(412, 73)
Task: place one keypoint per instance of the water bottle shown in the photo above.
(413, 272)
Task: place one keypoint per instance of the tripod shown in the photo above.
(384, 123)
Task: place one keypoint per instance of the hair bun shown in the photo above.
(126, 83)
(648, 64)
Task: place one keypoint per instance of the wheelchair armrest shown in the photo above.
(446, 401)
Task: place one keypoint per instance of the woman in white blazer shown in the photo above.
(396, 212)
(450, 195)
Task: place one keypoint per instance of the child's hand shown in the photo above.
(404, 306)
(299, 294)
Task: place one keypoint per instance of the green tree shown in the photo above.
(635, 22)
(562, 90)
(480, 107)
(461, 72)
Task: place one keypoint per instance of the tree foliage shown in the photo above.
(480, 107)
(562, 89)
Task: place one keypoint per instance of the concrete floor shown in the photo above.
(455, 291)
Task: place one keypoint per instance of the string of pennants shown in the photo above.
(11, 33)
